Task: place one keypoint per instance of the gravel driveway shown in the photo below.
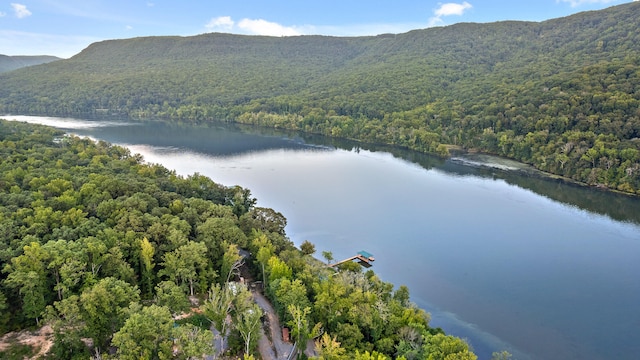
(271, 345)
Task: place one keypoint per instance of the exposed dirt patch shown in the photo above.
(40, 340)
(185, 315)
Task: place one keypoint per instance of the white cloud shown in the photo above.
(448, 9)
(576, 3)
(264, 27)
(20, 10)
(129, 27)
(222, 23)
(452, 9)
(251, 27)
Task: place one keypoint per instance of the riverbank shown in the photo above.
(478, 159)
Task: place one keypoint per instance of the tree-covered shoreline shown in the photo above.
(106, 249)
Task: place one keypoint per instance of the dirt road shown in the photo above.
(271, 344)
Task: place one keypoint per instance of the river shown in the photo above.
(498, 255)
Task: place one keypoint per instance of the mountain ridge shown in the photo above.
(9, 63)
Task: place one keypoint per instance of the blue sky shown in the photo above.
(65, 27)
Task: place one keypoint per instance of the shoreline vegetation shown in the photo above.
(492, 161)
(107, 249)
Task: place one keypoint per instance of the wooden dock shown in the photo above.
(364, 258)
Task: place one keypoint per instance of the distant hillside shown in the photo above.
(561, 95)
(8, 63)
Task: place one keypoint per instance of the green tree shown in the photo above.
(350, 336)
(278, 269)
(57, 253)
(214, 231)
(231, 261)
(146, 263)
(242, 297)
(299, 325)
(242, 201)
(402, 296)
(248, 324)
(66, 262)
(328, 348)
(287, 293)
(411, 340)
(331, 303)
(264, 220)
(218, 306)
(441, 347)
(96, 251)
(146, 335)
(170, 295)
(369, 356)
(103, 307)
(192, 343)
(307, 248)
(327, 255)
(68, 326)
(265, 250)
(32, 290)
(27, 273)
(185, 264)
(4, 320)
(114, 264)
(3, 301)
(72, 273)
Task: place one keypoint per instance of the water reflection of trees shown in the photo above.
(619, 207)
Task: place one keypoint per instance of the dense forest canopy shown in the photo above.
(561, 95)
(107, 250)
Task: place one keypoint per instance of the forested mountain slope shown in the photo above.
(8, 63)
(561, 94)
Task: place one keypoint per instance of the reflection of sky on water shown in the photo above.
(65, 123)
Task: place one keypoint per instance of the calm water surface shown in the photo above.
(507, 260)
